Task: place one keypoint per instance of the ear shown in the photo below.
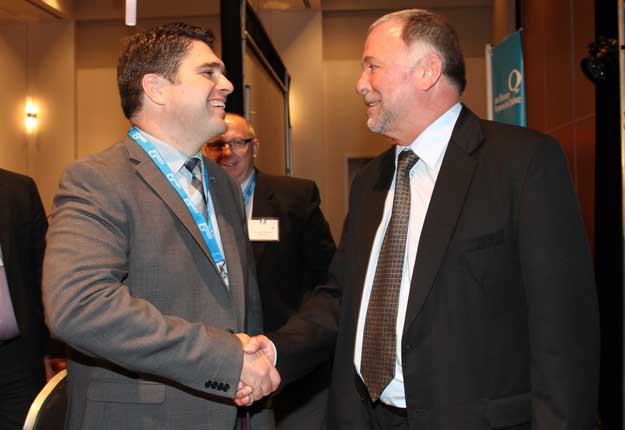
(255, 145)
(429, 71)
(153, 87)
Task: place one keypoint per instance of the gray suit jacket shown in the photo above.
(130, 285)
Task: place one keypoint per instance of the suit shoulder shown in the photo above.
(112, 158)
(516, 144)
(515, 151)
(105, 170)
(513, 135)
(374, 168)
(14, 179)
(110, 155)
(286, 184)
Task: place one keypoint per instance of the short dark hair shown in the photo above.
(423, 26)
(158, 50)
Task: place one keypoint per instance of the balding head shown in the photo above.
(422, 26)
(236, 149)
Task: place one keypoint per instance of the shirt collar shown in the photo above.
(247, 181)
(174, 158)
(430, 145)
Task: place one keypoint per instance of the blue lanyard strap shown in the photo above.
(249, 190)
(206, 228)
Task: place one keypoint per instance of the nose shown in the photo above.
(225, 86)
(362, 84)
(227, 150)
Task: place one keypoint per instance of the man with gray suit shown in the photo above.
(148, 274)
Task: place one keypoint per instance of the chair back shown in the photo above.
(49, 409)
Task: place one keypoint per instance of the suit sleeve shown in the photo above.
(38, 246)
(316, 244)
(39, 228)
(88, 303)
(309, 337)
(561, 296)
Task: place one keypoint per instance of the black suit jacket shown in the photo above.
(23, 226)
(501, 329)
(290, 268)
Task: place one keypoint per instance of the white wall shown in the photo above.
(52, 83)
(36, 60)
(298, 38)
(13, 86)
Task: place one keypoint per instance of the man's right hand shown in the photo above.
(259, 377)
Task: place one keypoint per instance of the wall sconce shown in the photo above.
(31, 120)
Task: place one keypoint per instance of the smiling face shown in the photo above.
(387, 82)
(236, 149)
(196, 99)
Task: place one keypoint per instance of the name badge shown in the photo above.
(264, 229)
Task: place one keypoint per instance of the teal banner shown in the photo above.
(509, 81)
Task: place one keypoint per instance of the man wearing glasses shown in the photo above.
(292, 247)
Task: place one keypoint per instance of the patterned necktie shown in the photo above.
(379, 337)
(197, 191)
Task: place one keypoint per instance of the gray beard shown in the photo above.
(379, 124)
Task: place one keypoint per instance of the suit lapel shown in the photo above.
(160, 185)
(264, 207)
(371, 209)
(445, 207)
(224, 215)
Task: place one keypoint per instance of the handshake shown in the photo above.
(259, 377)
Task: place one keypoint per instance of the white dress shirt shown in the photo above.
(430, 146)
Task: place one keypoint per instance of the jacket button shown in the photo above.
(220, 386)
(226, 387)
(208, 384)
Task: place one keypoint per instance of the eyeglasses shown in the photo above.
(234, 144)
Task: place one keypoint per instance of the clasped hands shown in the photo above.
(259, 377)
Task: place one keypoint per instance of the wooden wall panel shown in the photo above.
(558, 59)
(585, 167)
(560, 100)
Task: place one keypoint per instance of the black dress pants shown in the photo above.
(21, 379)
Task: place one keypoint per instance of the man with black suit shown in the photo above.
(23, 334)
(148, 275)
(292, 247)
(468, 297)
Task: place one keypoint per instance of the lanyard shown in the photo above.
(207, 230)
(249, 190)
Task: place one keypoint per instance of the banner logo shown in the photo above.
(515, 79)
